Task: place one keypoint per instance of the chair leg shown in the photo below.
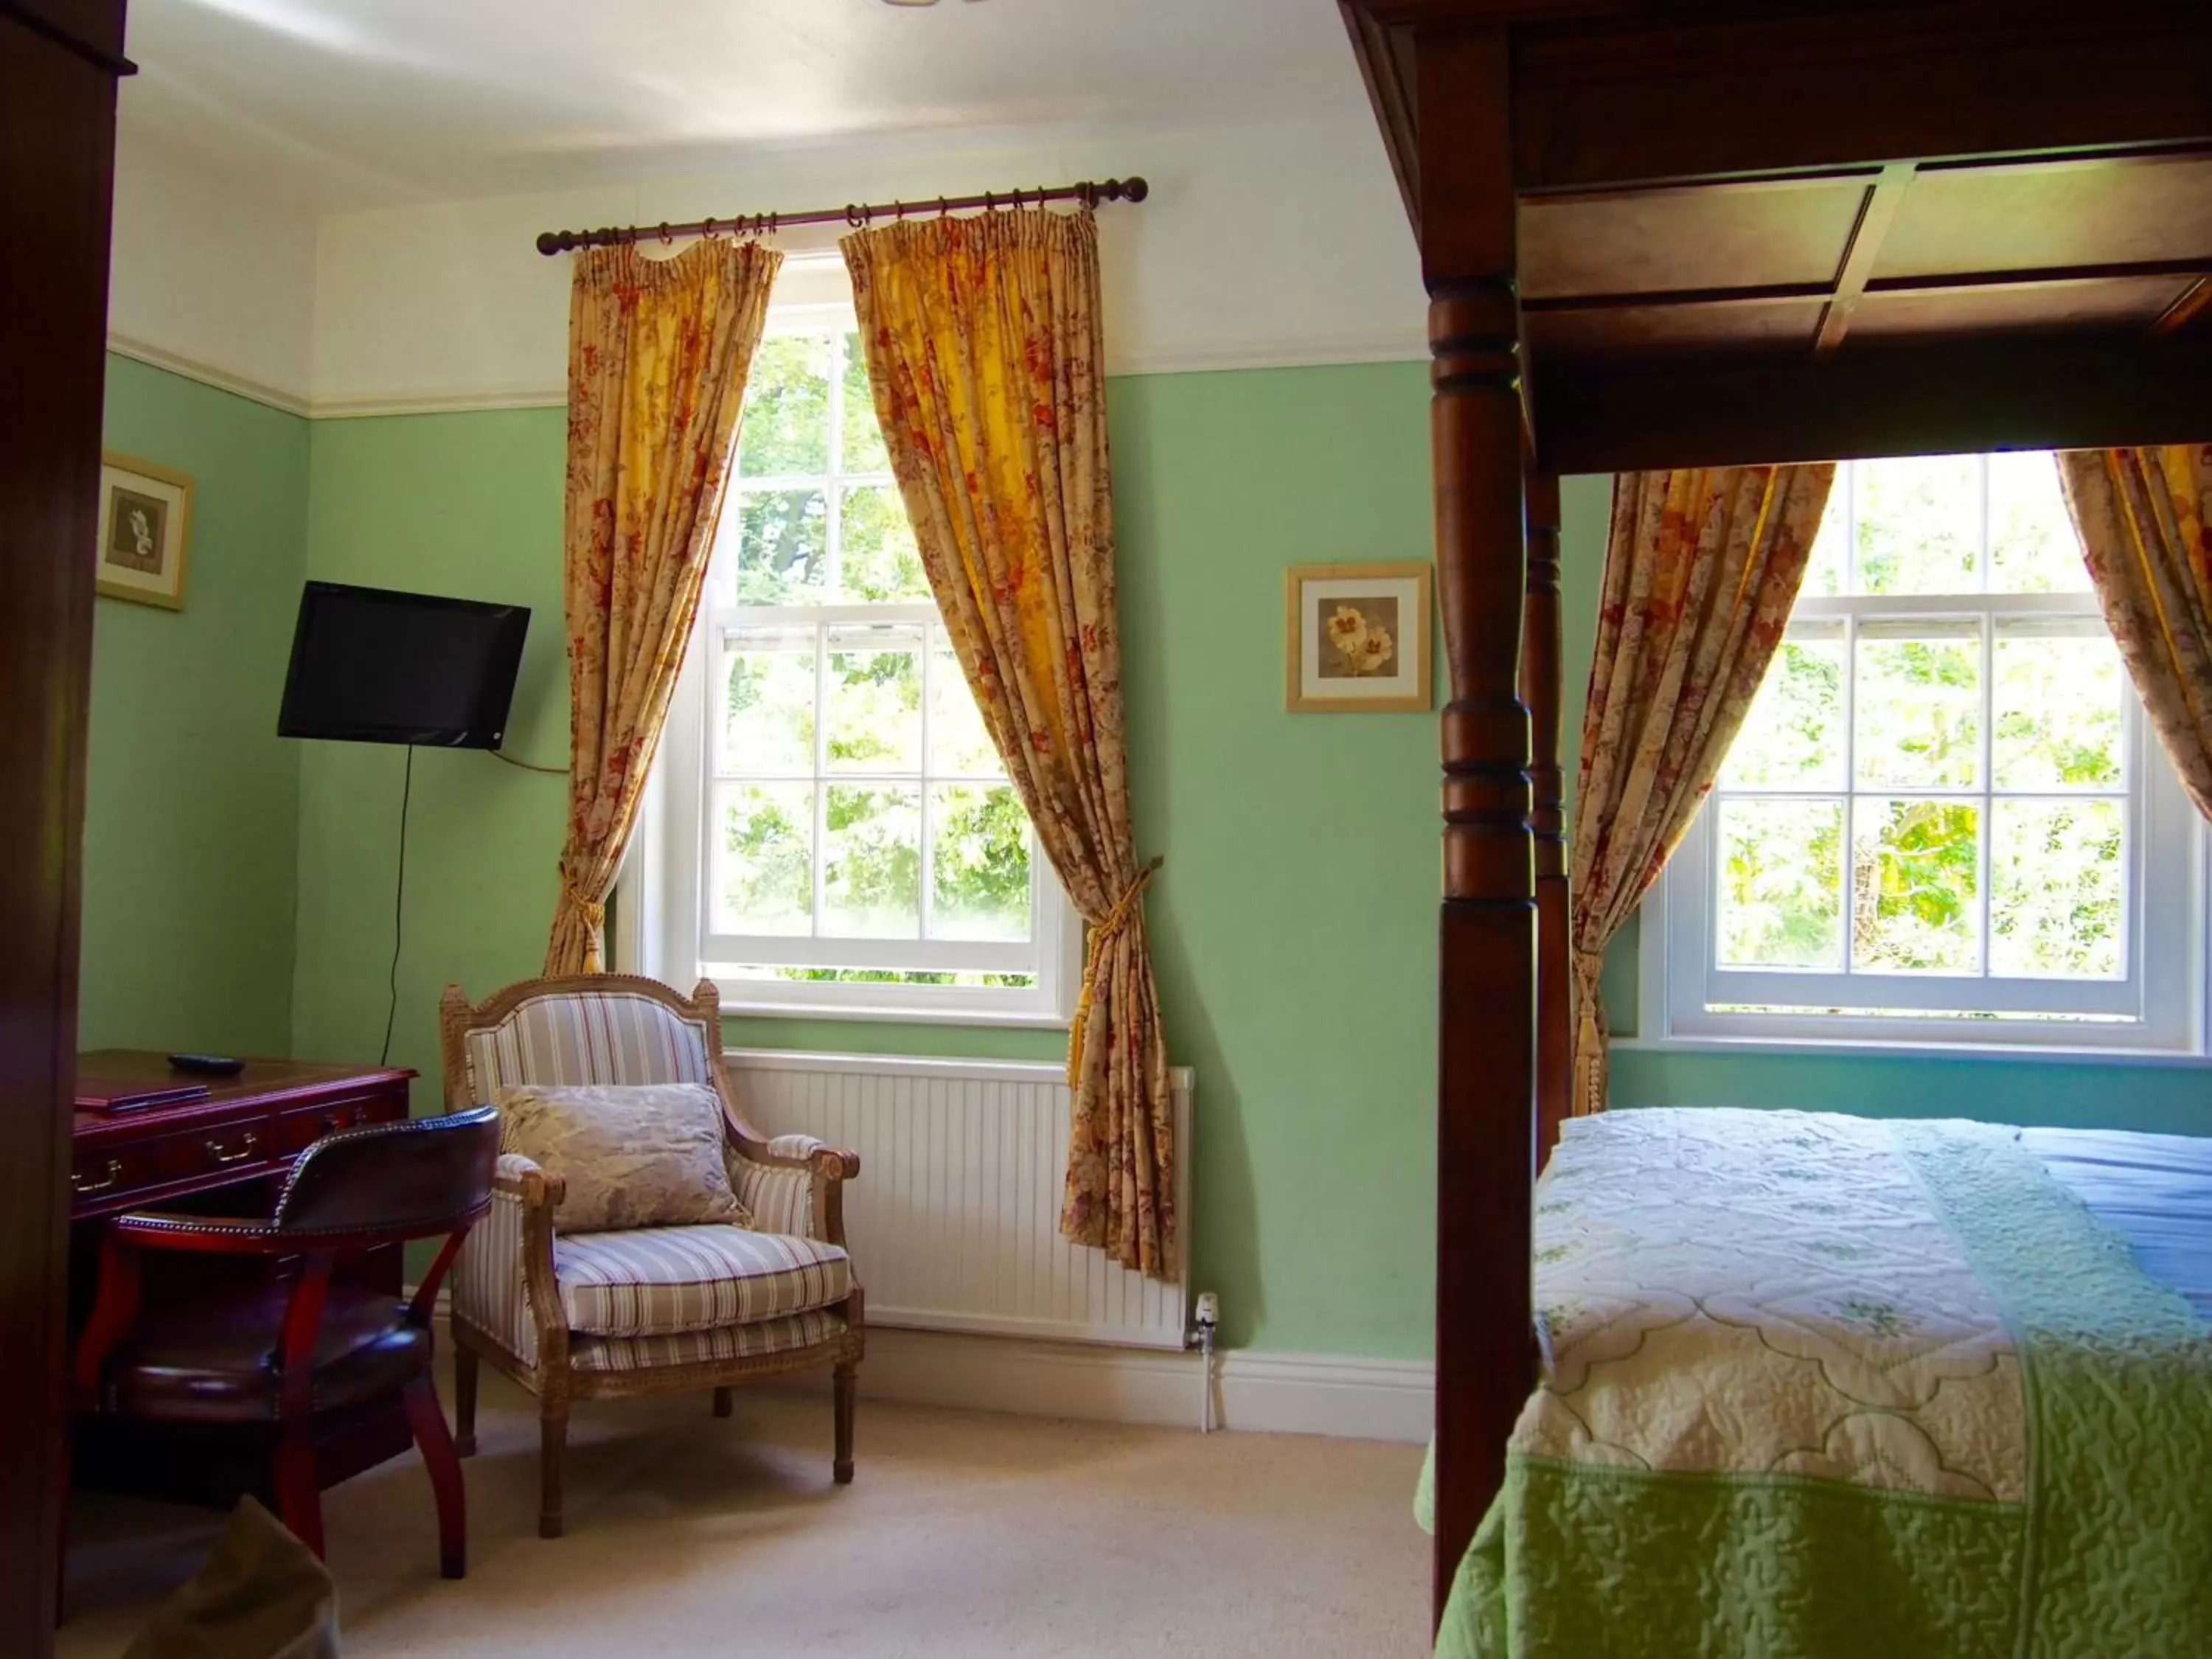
(299, 1487)
(844, 1384)
(428, 1422)
(466, 1366)
(553, 1452)
(724, 1399)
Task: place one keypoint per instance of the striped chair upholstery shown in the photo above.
(637, 1353)
(612, 1036)
(657, 1281)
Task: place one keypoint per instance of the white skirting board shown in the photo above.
(1263, 1393)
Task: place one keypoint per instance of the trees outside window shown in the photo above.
(858, 847)
(1942, 817)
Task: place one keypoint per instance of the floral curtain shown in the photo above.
(984, 351)
(2145, 518)
(1700, 572)
(658, 350)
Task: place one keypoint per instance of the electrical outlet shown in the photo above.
(1209, 1308)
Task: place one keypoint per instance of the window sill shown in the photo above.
(1850, 1048)
(737, 1005)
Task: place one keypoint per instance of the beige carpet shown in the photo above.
(967, 1536)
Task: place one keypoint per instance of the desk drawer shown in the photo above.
(300, 1128)
(241, 1147)
(96, 1174)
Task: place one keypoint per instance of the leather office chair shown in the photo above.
(311, 1352)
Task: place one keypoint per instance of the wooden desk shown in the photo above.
(220, 1154)
(247, 1127)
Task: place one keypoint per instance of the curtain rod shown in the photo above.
(857, 215)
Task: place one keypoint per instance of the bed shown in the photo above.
(1666, 233)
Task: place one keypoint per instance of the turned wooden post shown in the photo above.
(1486, 1058)
(1541, 688)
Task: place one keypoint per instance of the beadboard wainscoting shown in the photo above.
(954, 1223)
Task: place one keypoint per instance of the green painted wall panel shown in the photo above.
(191, 798)
(1292, 923)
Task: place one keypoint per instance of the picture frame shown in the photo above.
(1357, 637)
(145, 531)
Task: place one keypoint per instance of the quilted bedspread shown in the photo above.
(1825, 1386)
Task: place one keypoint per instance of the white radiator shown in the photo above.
(954, 1221)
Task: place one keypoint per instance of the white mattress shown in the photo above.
(2155, 1190)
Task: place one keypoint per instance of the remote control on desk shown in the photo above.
(208, 1064)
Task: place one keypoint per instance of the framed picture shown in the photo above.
(145, 529)
(1357, 637)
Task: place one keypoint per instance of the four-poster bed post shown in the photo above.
(1487, 1052)
(1727, 232)
(1541, 690)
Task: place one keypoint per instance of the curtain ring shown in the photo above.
(665, 236)
(990, 203)
(899, 208)
(706, 230)
(943, 207)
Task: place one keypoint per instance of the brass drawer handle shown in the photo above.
(341, 1119)
(78, 1183)
(246, 1144)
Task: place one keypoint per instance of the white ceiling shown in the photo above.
(356, 103)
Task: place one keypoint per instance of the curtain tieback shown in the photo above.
(1102, 935)
(593, 911)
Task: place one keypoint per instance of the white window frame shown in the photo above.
(1689, 999)
(663, 926)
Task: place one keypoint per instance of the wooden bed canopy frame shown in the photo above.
(1681, 233)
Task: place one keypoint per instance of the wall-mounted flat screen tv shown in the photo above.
(370, 666)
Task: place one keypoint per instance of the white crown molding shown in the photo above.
(1228, 359)
(1253, 1392)
(143, 351)
(450, 403)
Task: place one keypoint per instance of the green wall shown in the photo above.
(1291, 926)
(191, 799)
(239, 888)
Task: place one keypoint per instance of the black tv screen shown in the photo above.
(375, 666)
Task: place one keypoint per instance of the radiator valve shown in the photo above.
(1209, 1319)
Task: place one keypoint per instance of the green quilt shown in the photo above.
(1822, 1386)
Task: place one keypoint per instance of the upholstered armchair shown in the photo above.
(590, 1316)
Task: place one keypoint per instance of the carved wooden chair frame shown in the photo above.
(556, 1382)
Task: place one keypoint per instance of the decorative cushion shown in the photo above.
(655, 1281)
(643, 1353)
(632, 1156)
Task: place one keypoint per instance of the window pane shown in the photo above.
(1781, 867)
(1919, 524)
(880, 560)
(784, 431)
(1915, 880)
(1829, 563)
(1919, 714)
(2034, 548)
(783, 547)
(875, 699)
(872, 863)
(863, 437)
(959, 743)
(2057, 873)
(1793, 737)
(979, 862)
(768, 706)
(2059, 707)
(763, 861)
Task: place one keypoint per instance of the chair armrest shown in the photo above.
(521, 1177)
(793, 1184)
(503, 1282)
(803, 1153)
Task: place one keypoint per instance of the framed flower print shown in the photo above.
(1357, 637)
(145, 531)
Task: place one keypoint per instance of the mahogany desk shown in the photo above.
(220, 1154)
